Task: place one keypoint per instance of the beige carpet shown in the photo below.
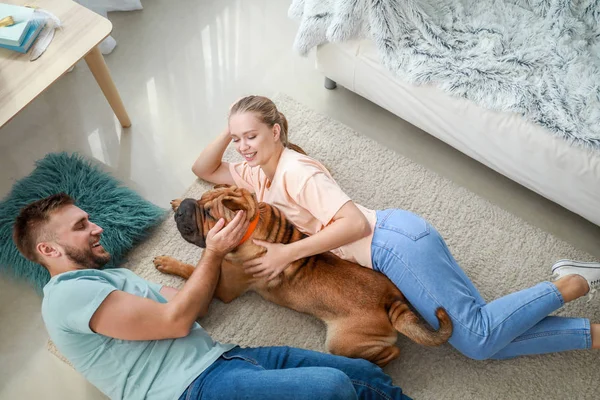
(499, 252)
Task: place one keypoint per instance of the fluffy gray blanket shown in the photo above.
(539, 58)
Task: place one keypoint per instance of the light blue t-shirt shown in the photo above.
(121, 369)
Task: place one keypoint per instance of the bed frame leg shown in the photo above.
(330, 84)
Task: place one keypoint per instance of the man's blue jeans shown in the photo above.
(285, 373)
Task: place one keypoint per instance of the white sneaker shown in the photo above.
(589, 270)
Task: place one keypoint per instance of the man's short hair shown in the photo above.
(29, 228)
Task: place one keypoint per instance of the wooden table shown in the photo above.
(22, 80)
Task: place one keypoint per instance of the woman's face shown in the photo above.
(253, 139)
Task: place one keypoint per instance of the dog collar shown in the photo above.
(251, 228)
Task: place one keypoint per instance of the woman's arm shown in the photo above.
(349, 225)
(209, 166)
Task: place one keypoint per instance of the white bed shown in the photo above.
(505, 142)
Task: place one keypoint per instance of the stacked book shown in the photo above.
(18, 27)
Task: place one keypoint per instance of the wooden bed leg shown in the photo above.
(330, 84)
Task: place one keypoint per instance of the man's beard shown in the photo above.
(86, 258)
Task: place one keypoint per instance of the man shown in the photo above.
(135, 339)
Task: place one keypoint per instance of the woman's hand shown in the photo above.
(275, 260)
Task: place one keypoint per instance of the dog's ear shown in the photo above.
(234, 203)
(222, 185)
(243, 200)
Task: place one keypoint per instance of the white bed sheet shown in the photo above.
(506, 142)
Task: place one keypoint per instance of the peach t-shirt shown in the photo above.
(306, 193)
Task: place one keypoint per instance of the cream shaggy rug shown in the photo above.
(498, 251)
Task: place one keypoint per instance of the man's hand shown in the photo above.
(221, 241)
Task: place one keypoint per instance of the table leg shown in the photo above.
(95, 62)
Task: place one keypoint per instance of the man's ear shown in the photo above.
(48, 250)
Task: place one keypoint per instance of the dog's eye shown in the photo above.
(207, 214)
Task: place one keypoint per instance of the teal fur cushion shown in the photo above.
(123, 214)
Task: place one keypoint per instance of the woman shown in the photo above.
(403, 246)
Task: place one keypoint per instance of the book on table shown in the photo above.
(15, 34)
(21, 35)
(32, 33)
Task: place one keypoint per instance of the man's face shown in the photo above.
(78, 238)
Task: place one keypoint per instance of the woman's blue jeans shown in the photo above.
(415, 257)
(286, 373)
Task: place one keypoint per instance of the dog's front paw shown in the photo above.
(166, 264)
(175, 204)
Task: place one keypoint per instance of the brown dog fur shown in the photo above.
(362, 308)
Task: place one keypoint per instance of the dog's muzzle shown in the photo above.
(187, 222)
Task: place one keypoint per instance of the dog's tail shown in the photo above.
(409, 324)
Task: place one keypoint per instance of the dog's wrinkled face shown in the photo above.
(195, 218)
